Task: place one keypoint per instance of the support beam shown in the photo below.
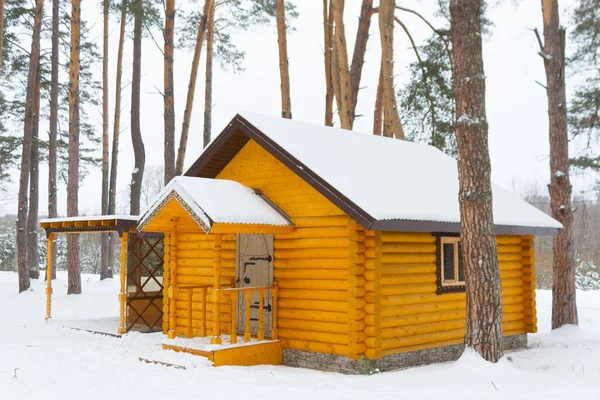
(49, 266)
(173, 287)
(216, 338)
(123, 287)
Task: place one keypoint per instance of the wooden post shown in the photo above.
(49, 277)
(203, 333)
(166, 282)
(247, 333)
(261, 303)
(190, 293)
(216, 338)
(173, 288)
(232, 328)
(274, 330)
(123, 287)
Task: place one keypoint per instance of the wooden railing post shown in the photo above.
(232, 327)
(173, 285)
(216, 338)
(274, 330)
(49, 277)
(123, 284)
(261, 304)
(203, 332)
(247, 333)
(190, 294)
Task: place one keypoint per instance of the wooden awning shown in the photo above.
(83, 224)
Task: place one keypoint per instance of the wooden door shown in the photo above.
(254, 268)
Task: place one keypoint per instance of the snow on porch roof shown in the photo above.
(210, 201)
(384, 183)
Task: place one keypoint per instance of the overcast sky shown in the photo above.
(516, 105)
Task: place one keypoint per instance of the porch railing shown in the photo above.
(233, 295)
(247, 291)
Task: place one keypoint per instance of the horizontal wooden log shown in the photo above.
(405, 289)
(310, 253)
(323, 232)
(313, 284)
(311, 263)
(423, 346)
(509, 266)
(408, 279)
(316, 243)
(316, 326)
(420, 339)
(423, 318)
(504, 239)
(421, 248)
(323, 337)
(512, 291)
(416, 258)
(318, 347)
(510, 283)
(421, 299)
(311, 222)
(335, 274)
(406, 269)
(337, 306)
(414, 309)
(311, 315)
(310, 294)
(407, 237)
(430, 327)
(509, 248)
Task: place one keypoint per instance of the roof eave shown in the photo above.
(397, 225)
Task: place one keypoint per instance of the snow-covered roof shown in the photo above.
(89, 218)
(210, 201)
(378, 179)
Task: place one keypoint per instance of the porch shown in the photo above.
(220, 296)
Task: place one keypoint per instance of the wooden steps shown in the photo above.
(269, 352)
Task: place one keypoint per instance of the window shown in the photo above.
(451, 272)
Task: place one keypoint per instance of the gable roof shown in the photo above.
(383, 183)
(210, 201)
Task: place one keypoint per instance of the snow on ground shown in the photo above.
(54, 362)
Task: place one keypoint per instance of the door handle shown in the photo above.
(268, 258)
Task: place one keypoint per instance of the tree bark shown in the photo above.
(105, 270)
(169, 99)
(33, 255)
(391, 121)
(284, 67)
(73, 267)
(378, 114)
(1, 30)
(208, 87)
(360, 49)
(189, 103)
(53, 134)
(136, 134)
(482, 276)
(328, 40)
(564, 304)
(34, 57)
(345, 113)
(114, 162)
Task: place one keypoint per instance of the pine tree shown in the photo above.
(169, 101)
(482, 275)
(284, 67)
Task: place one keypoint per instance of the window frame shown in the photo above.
(443, 286)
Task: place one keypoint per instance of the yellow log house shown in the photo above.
(296, 244)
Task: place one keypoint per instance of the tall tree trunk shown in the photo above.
(105, 270)
(378, 114)
(328, 40)
(391, 121)
(114, 162)
(360, 49)
(136, 134)
(342, 65)
(33, 255)
(284, 67)
(53, 134)
(208, 86)
(34, 57)
(169, 100)
(1, 30)
(189, 102)
(564, 304)
(482, 276)
(73, 267)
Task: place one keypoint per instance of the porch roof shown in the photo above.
(89, 223)
(215, 201)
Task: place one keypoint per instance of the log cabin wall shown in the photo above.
(311, 265)
(414, 317)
